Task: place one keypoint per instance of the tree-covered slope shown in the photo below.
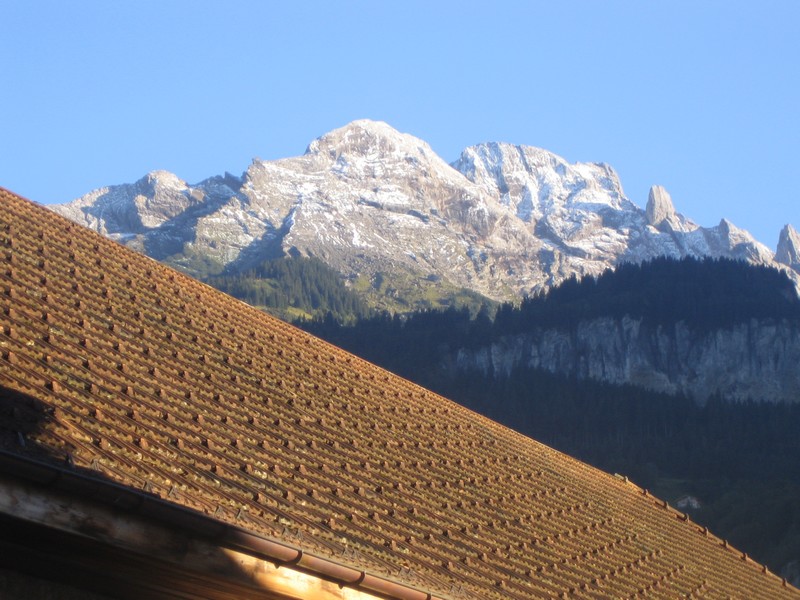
(706, 293)
(294, 288)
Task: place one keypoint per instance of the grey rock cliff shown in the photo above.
(756, 360)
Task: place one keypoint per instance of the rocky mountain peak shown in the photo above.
(494, 158)
(542, 189)
(372, 150)
(162, 178)
(366, 138)
(660, 210)
(374, 203)
(789, 247)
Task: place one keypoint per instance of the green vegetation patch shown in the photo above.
(196, 264)
(294, 288)
(406, 292)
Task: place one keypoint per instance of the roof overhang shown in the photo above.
(65, 525)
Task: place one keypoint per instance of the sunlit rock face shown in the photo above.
(502, 220)
(789, 248)
(661, 213)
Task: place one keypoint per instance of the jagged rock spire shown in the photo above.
(789, 247)
(659, 208)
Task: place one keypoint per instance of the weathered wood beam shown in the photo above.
(104, 547)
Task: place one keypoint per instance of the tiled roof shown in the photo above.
(158, 382)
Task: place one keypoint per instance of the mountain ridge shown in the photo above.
(502, 220)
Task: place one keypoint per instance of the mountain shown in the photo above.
(695, 328)
(396, 221)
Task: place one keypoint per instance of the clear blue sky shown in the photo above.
(699, 96)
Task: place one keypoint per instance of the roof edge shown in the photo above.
(143, 504)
